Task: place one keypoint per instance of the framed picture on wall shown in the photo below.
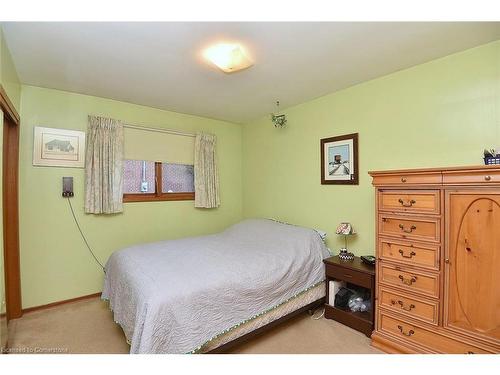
(58, 148)
(339, 160)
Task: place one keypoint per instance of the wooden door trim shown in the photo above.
(8, 108)
(10, 181)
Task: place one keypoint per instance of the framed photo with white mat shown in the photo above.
(58, 147)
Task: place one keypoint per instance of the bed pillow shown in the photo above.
(321, 233)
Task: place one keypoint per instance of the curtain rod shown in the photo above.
(157, 130)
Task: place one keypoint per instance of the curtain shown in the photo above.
(206, 177)
(104, 166)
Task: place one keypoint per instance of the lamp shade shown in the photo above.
(345, 229)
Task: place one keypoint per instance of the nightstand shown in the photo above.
(357, 273)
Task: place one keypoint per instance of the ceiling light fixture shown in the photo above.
(229, 58)
(279, 120)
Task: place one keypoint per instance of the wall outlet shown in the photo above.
(144, 187)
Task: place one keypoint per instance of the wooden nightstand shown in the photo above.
(359, 274)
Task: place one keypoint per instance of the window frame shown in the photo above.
(158, 195)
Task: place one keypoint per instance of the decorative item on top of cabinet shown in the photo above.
(438, 251)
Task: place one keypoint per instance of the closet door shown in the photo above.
(472, 263)
(3, 305)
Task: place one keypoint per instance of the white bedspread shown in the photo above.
(174, 296)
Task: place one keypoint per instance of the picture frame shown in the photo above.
(58, 147)
(339, 160)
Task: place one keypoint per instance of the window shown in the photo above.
(138, 177)
(177, 178)
(145, 181)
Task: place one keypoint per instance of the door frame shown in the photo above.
(10, 184)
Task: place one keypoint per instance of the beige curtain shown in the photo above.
(206, 176)
(104, 166)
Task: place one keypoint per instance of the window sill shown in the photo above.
(152, 197)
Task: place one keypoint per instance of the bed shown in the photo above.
(200, 294)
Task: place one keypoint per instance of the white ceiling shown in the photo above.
(160, 64)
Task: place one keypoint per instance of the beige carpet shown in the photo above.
(87, 327)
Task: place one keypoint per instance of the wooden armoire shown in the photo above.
(438, 260)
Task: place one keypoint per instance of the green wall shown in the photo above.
(55, 264)
(8, 75)
(442, 113)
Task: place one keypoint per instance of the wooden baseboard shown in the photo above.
(53, 304)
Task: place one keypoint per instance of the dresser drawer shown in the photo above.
(483, 177)
(417, 228)
(418, 201)
(414, 281)
(413, 254)
(415, 334)
(390, 179)
(414, 307)
(351, 276)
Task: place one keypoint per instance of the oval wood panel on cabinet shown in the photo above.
(472, 268)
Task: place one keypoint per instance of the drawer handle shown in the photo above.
(487, 178)
(402, 227)
(408, 281)
(401, 304)
(410, 332)
(407, 256)
(408, 204)
(403, 179)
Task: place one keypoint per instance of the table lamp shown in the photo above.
(345, 229)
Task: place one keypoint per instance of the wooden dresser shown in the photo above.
(438, 260)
